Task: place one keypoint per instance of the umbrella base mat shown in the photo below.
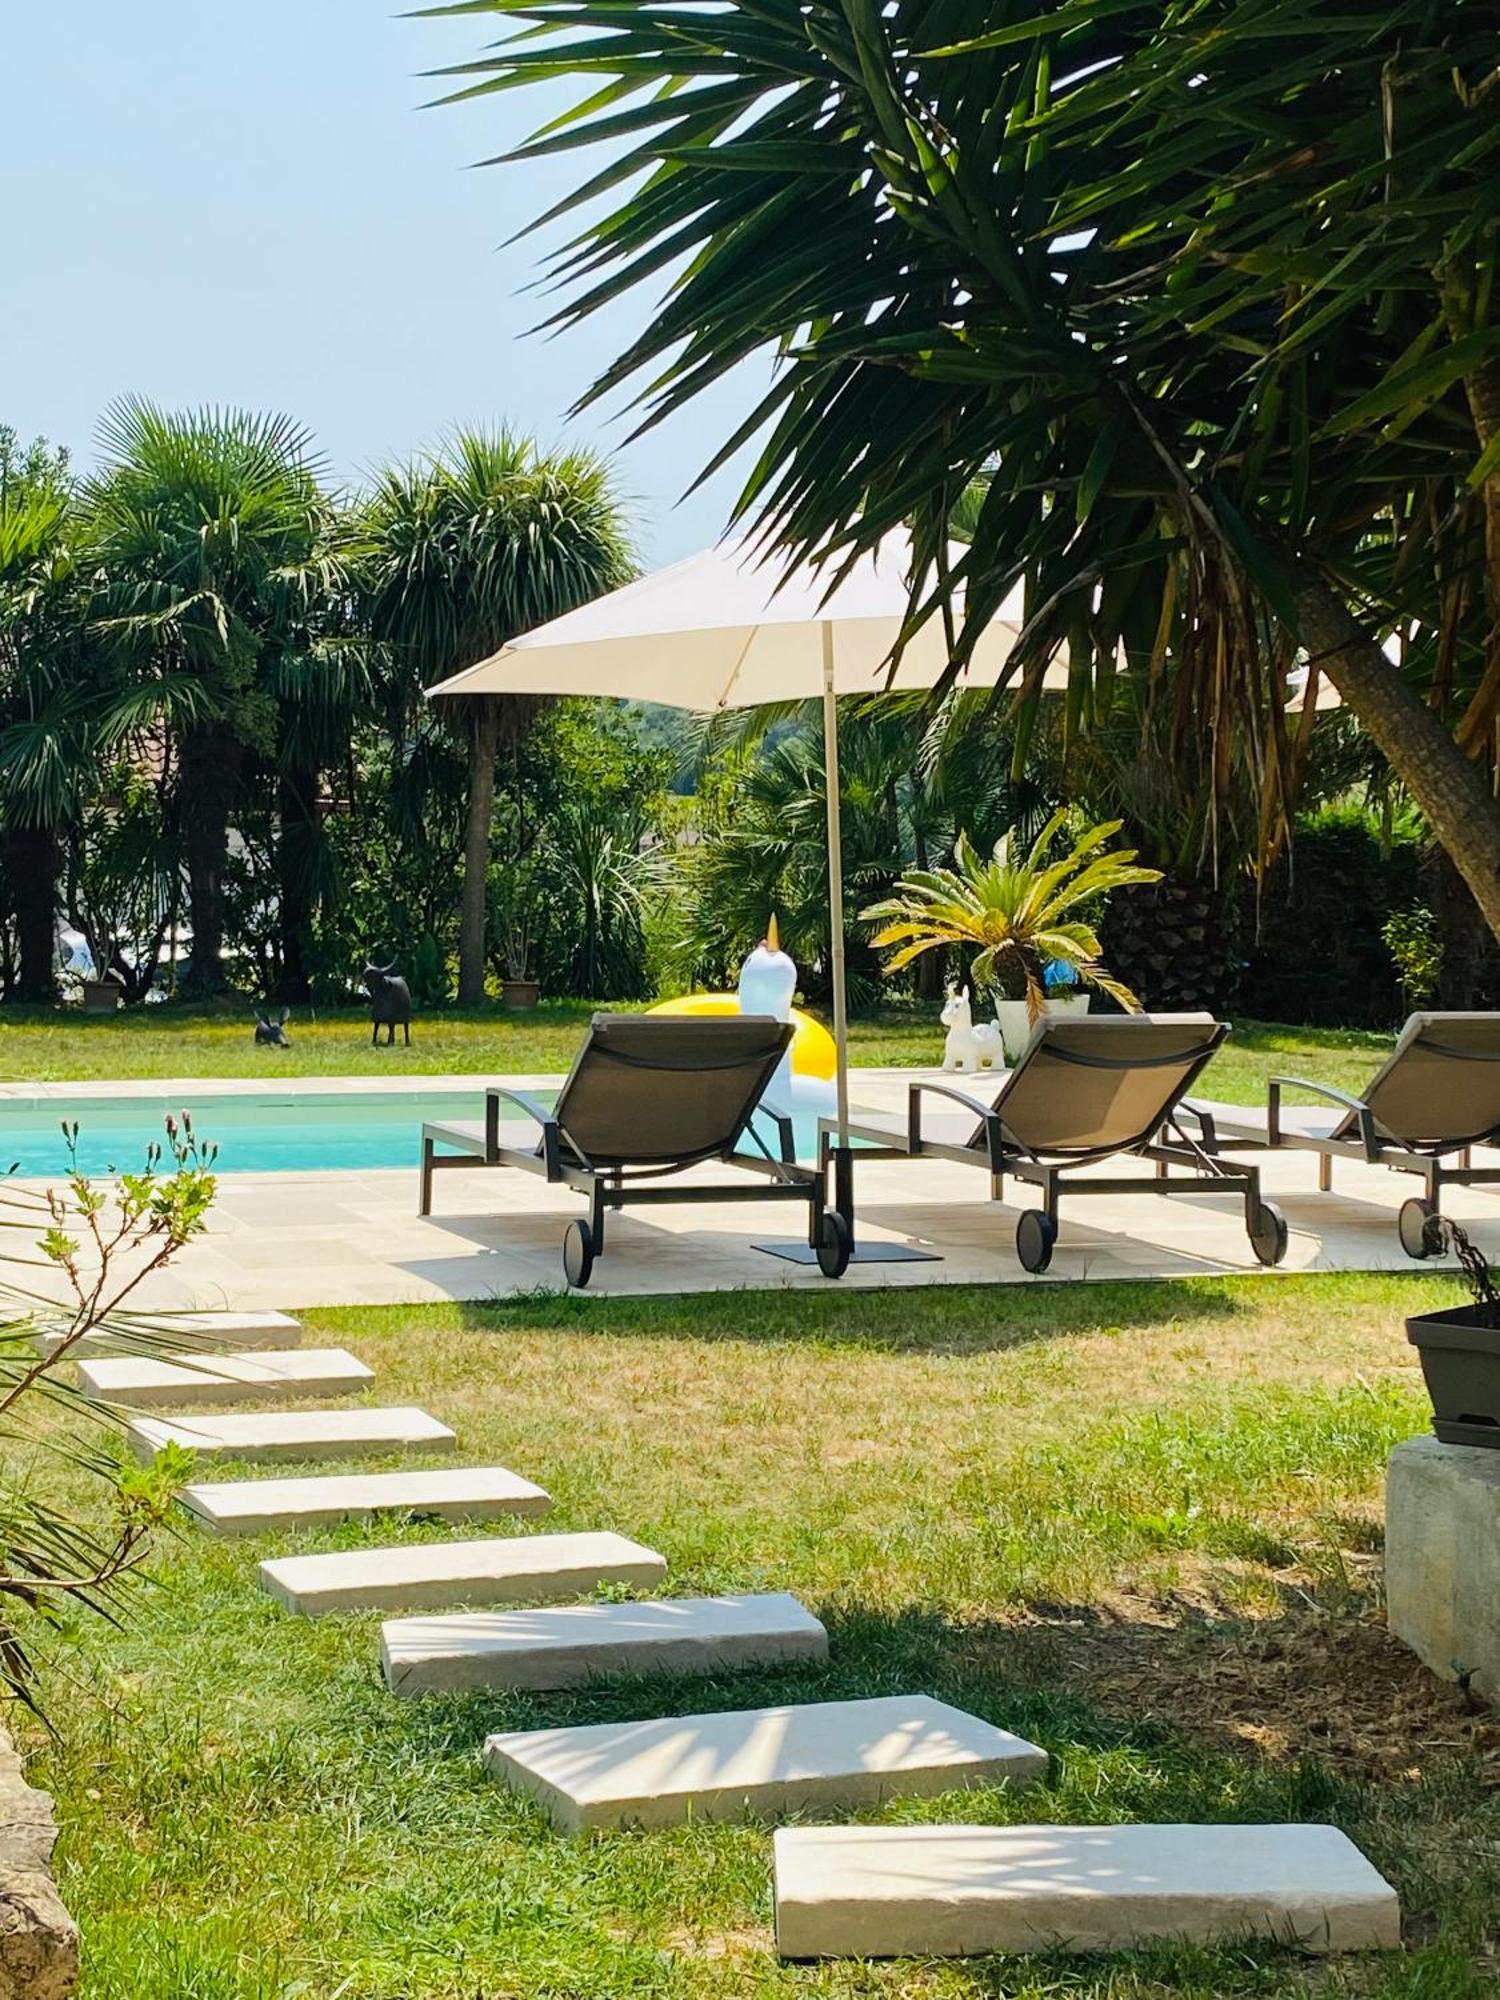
(862, 1253)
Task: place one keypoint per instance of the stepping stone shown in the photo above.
(830, 1754)
(433, 1576)
(954, 1891)
(584, 1642)
(217, 1329)
(461, 1493)
(293, 1433)
(144, 1383)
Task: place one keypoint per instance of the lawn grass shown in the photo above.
(173, 1041)
(1138, 1523)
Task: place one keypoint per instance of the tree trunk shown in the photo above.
(296, 844)
(208, 781)
(33, 867)
(1450, 791)
(484, 740)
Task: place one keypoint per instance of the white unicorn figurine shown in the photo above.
(969, 1047)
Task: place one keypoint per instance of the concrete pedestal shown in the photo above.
(1442, 1558)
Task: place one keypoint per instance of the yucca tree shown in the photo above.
(1014, 914)
(488, 537)
(1199, 285)
(218, 556)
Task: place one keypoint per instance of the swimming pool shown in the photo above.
(308, 1132)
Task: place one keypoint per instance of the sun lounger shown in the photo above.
(647, 1098)
(1436, 1095)
(1086, 1090)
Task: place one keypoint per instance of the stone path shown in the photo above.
(860, 1891)
(199, 1329)
(957, 1891)
(559, 1649)
(273, 1434)
(458, 1493)
(440, 1575)
(144, 1382)
(832, 1755)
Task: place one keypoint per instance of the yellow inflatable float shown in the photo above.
(766, 987)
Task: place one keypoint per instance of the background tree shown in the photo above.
(485, 539)
(1216, 326)
(48, 701)
(218, 553)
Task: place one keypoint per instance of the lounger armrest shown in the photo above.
(1208, 1131)
(497, 1095)
(985, 1113)
(1356, 1106)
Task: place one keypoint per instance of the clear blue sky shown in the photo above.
(244, 203)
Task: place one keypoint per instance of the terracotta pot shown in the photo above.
(1460, 1354)
(101, 996)
(518, 994)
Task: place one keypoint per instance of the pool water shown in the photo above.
(254, 1135)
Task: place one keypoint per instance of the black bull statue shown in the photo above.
(390, 1003)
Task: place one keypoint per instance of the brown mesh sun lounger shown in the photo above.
(1085, 1090)
(1435, 1096)
(648, 1097)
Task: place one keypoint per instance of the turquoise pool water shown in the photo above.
(254, 1135)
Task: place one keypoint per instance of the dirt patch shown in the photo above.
(1334, 1686)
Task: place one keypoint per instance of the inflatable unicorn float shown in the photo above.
(803, 1084)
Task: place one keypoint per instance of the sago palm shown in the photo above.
(1014, 915)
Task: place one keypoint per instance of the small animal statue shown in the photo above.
(270, 1030)
(968, 1047)
(390, 1004)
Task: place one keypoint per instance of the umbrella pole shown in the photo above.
(835, 882)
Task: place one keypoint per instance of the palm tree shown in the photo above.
(483, 540)
(48, 702)
(218, 552)
(1014, 914)
(1222, 330)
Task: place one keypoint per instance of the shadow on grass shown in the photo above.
(937, 1318)
(1104, 1765)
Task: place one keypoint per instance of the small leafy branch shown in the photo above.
(105, 1243)
(1443, 1233)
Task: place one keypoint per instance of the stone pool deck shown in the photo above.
(285, 1240)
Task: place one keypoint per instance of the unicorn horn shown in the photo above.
(773, 935)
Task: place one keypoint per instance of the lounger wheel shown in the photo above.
(1268, 1233)
(578, 1254)
(1036, 1233)
(1412, 1226)
(835, 1244)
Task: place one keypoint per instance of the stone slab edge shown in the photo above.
(38, 1939)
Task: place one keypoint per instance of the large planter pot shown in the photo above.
(1460, 1354)
(1015, 1023)
(517, 995)
(101, 996)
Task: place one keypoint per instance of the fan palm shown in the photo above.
(487, 538)
(1016, 915)
(219, 554)
(49, 702)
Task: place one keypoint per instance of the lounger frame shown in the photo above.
(1429, 1164)
(764, 1174)
(1182, 1163)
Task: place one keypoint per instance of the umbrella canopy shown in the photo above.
(727, 629)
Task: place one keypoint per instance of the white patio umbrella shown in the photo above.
(729, 629)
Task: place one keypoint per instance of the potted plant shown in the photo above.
(1021, 917)
(517, 898)
(1459, 1347)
